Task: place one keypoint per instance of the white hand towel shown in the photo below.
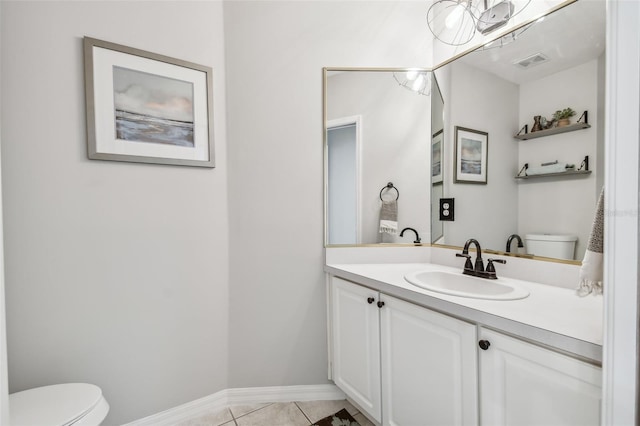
(389, 217)
(591, 271)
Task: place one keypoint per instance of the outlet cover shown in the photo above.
(447, 209)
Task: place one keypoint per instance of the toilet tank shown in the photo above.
(559, 246)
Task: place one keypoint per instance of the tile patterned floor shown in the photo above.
(302, 413)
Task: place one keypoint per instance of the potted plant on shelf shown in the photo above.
(563, 116)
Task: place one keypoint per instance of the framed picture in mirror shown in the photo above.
(436, 158)
(470, 156)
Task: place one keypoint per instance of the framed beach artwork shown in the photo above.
(147, 108)
(470, 156)
(436, 158)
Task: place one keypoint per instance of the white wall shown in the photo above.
(275, 55)
(395, 148)
(116, 273)
(481, 101)
(620, 349)
(4, 379)
(562, 206)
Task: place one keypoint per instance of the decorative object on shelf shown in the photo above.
(550, 167)
(418, 81)
(546, 124)
(553, 168)
(563, 116)
(550, 129)
(436, 158)
(455, 22)
(536, 124)
(470, 156)
(147, 108)
(540, 123)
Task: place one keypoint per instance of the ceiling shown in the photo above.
(568, 37)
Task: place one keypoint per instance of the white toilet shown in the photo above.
(559, 246)
(58, 405)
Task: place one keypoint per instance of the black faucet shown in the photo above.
(478, 270)
(479, 265)
(510, 239)
(417, 241)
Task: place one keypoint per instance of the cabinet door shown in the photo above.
(429, 367)
(525, 384)
(356, 344)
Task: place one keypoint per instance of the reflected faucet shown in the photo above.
(510, 239)
(417, 240)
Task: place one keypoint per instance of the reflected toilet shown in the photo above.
(560, 246)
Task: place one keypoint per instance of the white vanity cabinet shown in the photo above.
(403, 364)
(355, 342)
(525, 384)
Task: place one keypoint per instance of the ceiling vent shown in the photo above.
(532, 60)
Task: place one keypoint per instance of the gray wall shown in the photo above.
(132, 276)
(493, 109)
(275, 54)
(116, 273)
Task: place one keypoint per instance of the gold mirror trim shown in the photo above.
(325, 171)
(458, 248)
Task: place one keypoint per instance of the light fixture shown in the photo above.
(455, 22)
(418, 81)
(509, 38)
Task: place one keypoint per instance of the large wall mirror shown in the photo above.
(377, 155)
(474, 107)
(491, 94)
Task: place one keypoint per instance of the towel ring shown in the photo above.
(388, 187)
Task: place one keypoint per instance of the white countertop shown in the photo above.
(552, 316)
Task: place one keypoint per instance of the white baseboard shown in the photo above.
(238, 396)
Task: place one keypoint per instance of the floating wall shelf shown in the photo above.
(553, 131)
(569, 173)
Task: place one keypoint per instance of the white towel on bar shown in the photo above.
(389, 217)
(591, 271)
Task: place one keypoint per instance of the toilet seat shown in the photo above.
(59, 405)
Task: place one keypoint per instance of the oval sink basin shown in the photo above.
(457, 284)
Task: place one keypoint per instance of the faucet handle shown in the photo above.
(467, 265)
(490, 268)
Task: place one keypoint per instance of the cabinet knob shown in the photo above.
(370, 300)
(484, 344)
(380, 304)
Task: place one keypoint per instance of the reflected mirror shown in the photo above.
(510, 90)
(377, 154)
(438, 163)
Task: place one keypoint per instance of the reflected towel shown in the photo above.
(591, 271)
(389, 217)
(551, 168)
